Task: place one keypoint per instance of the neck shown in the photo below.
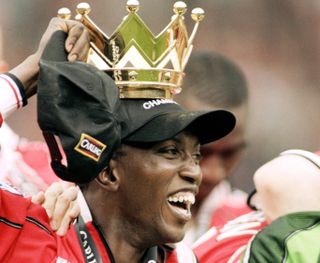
(124, 241)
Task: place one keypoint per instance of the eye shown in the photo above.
(170, 151)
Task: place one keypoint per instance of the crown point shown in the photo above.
(180, 8)
(133, 6)
(83, 9)
(197, 14)
(64, 13)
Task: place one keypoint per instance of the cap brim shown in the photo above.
(208, 126)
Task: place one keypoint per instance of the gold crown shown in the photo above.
(143, 65)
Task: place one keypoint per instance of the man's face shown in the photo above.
(220, 157)
(158, 187)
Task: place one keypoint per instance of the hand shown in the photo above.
(61, 206)
(77, 45)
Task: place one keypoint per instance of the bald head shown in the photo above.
(287, 184)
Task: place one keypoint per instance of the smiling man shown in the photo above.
(136, 161)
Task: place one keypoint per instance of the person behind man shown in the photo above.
(285, 227)
(213, 81)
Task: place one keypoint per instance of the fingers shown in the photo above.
(77, 42)
(63, 211)
(73, 212)
(51, 195)
(38, 199)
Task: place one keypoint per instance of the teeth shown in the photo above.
(183, 197)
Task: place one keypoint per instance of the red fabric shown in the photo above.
(220, 252)
(227, 212)
(98, 242)
(31, 243)
(1, 119)
(224, 243)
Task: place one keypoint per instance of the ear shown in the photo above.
(108, 178)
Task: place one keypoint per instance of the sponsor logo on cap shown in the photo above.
(153, 103)
(90, 147)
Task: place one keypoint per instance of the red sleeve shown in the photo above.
(221, 252)
(24, 227)
(12, 216)
(227, 244)
(28, 236)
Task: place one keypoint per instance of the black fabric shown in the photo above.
(166, 120)
(75, 99)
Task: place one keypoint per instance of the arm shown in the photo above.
(288, 193)
(20, 83)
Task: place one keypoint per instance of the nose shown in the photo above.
(191, 171)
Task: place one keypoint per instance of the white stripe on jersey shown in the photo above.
(10, 98)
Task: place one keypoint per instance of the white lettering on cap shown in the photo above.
(154, 103)
(90, 147)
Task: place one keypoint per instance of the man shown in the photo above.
(137, 162)
(287, 193)
(213, 81)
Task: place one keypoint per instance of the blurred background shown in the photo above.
(276, 43)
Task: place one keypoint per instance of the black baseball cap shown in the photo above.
(161, 119)
(80, 105)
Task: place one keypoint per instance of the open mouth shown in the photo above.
(180, 203)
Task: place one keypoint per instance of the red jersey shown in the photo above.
(227, 244)
(26, 236)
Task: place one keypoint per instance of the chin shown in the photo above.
(174, 235)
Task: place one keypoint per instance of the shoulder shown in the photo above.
(17, 209)
(290, 238)
(13, 206)
(227, 243)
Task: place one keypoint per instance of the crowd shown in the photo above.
(153, 180)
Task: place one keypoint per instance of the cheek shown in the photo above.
(149, 181)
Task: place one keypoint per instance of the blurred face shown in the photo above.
(158, 187)
(220, 157)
